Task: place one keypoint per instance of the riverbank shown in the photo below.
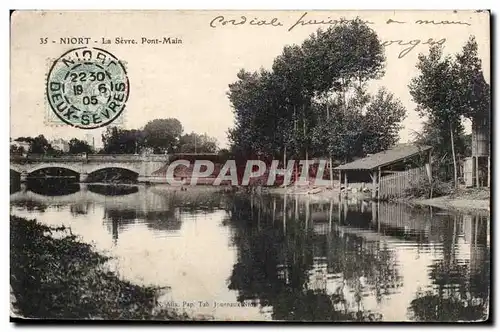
(464, 200)
(318, 194)
(55, 276)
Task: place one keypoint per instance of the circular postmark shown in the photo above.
(87, 87)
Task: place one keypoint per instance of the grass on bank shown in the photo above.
(53, 275)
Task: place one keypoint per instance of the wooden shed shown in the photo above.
(390, 171)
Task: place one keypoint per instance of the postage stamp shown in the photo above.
(87, 87)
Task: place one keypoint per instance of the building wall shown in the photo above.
(60, 144)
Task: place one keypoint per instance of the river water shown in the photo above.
(241, 257)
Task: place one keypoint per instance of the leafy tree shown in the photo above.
(437, 135)
(448, 89)
(344, 55)
(38, 145)
(77, 146)
(312, 100)
(15, 149)
(473, 97)
(122, 141)
(255, 122)
(225, 154)
(382, 122)
(162, 135)
(434, 91)
(195, 143)
(347, 135)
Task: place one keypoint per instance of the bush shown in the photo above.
(58, 277)
(422, 188)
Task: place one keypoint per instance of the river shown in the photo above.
(240, 257)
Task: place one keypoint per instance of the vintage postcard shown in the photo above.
(250, 165)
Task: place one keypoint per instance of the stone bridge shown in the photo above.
(143, 165)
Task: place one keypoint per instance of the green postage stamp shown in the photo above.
(87, 87)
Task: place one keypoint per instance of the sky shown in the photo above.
(189, 81)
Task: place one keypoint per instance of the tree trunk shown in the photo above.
(284, 167)
(329, 152)
(455, 175)
(294, 121)
(304, 129)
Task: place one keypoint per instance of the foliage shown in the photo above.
(437, 135)
(384, 112)
(446, 90)
(225, 154)
(276, 266)
(77, 146)
(60, 277)
(473, 95)
(15, 149)
(422, 188)
(38, 145)
(124, 141)
(162, 135)
(433, 88)
(314, 101)
(344, 55)
(158, 136)
(196, 143)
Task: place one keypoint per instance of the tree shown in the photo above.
(195, 143)
(162, 135)
(437, 135)
(255, 121)
(38, 144)
(434, 91)
(15, 149)
(382, 122)
(344, 55)
(347, 135)
(473, 96)
(301, 107)
(448, 89)
(77, 146)
(122, 141)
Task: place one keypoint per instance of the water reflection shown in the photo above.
(294, 259)
(460, 287)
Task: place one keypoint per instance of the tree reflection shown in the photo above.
(30, 205)
(114, 190)
(460, 288)
(15, 181)
(305, 275)
(53, 187)
(80, 208)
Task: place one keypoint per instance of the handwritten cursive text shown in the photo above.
(328, 21)
(411, 44)
(221, 20)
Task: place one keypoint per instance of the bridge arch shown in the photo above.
(96, 168)
(38, 167)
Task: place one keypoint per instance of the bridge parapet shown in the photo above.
(115, 157)
(47, 158)
(89, 158)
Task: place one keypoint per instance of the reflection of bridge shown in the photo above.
(147, 199)
(84, 165)
(144, 199)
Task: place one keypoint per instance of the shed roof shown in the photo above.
(384, 158)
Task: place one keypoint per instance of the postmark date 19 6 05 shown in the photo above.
(87, 87)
